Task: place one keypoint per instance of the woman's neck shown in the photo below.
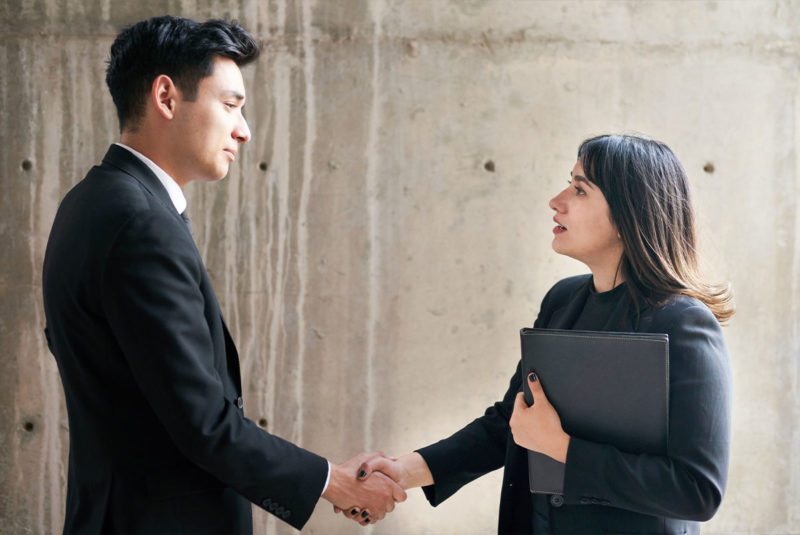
(607, 278)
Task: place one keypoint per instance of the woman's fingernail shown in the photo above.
(364, 514)
(366, 521)
(362, 473)
(354, 512)
(532, 377)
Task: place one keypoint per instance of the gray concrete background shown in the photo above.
(374, 267)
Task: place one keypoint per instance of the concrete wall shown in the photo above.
(386, 233)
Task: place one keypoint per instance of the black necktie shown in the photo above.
(186, 220)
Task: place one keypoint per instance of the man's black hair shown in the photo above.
(180, 48)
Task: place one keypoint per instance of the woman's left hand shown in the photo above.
(538, 427)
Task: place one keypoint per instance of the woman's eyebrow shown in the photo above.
(583, 179)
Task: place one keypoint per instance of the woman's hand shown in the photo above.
(408, 471)
(538, 427)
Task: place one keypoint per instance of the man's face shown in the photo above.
(210, 128)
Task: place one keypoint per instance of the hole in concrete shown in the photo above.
(708, 167)
(28, 426)
(262, 423)
(27, 165)
(489, 166)
(263, 166)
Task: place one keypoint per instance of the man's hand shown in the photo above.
(538, 427)
(364, 501)
(408, 471)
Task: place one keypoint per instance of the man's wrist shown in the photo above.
(327, 480)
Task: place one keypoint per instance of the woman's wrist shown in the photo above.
(415, 471)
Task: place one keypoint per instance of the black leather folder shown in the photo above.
(607, 387)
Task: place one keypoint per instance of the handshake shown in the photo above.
(367, 486)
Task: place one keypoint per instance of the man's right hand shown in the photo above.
(371, 498)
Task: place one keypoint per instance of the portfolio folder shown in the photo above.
(607, 387)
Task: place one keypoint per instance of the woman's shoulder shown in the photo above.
(679, 311)
(562, 291)
(565, 288)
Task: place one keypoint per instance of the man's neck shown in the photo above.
(144, 143)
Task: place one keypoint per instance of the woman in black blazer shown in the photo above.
(627, 215)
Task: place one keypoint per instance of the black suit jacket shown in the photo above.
(158, 439)
(607, 490)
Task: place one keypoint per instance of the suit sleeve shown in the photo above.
(481, 446)
(475, 450)
(157, 311)
(689, 482)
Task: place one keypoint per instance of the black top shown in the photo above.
(598, 308)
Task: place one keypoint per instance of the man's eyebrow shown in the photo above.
(583, 179)
(233, 93)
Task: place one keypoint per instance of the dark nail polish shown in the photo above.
(366, 521)
(354, 512)
(533, 377)
(362, 473)
(364, 514)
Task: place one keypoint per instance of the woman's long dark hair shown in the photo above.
(647, 191)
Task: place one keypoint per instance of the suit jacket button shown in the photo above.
(556, 500)
(585, 501)
(266, 502)
(239, 402)
(286, 514)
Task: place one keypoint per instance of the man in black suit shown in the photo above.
(158, 439)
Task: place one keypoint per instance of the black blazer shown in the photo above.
(607, 490)
(158, 439)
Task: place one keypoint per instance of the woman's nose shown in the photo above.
(557, 204)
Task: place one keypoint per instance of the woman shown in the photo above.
(627, 215)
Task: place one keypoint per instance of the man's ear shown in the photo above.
(165, 95)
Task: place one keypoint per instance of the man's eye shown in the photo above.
(230, 105)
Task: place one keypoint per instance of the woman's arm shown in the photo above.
(689, 481)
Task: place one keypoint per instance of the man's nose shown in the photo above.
(241, 133)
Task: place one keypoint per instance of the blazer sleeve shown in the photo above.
(475, 450)
(689, 482)
(481, 446)
(155, 306)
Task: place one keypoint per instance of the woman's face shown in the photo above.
(584, 230)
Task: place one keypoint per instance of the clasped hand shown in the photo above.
(406, 472)
(365, 500)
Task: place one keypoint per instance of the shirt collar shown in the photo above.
(172, 187)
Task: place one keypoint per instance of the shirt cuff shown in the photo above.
(327, 479)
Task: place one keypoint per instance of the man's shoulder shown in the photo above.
(110, 190)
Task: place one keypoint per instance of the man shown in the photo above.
(158, 439)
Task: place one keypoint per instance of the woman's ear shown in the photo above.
(164, 96)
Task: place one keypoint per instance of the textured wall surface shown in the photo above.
(386, 233)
